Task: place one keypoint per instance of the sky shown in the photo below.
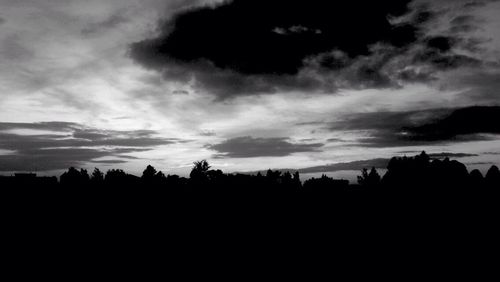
(248, 85)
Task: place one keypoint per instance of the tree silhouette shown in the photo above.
(151, 177)
(160, 175)
(74, 177)
(370, 179)
(476, 178)
(117, 178)
(493, 177)
(97, 177)
(325, 185)
(297, 184)
(149, 173)
(199, 172)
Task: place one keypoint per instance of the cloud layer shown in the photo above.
(249, 147)
(59, 145)
(394, 129)
(247, 47)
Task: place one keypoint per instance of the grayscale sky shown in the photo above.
(247, 85)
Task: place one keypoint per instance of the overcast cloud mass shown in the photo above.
(317, 86)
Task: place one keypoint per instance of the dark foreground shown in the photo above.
(412, 187)
(422, 218)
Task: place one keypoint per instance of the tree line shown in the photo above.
(418, 174)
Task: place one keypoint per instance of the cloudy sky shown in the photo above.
(320, 86)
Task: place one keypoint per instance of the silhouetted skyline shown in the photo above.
(419, 175)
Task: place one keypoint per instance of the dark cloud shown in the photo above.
(2, 21)
(394, 129)
(256, 46)
(70, 144)
(208, 133)
(139, 138)
(440, 43)
(466, 121)
(378, 163)
(180, 92)
(386, 120)
(229, 52)
(441, 60)
(110, 162)
(335, 140)
(50, 159)
(442, 155)
(249, 147)
(241, 35)
(10, 141)
(355, 165)
(451, 155)
(492, 153)
(476, 3)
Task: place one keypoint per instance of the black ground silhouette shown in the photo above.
(415, 194)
